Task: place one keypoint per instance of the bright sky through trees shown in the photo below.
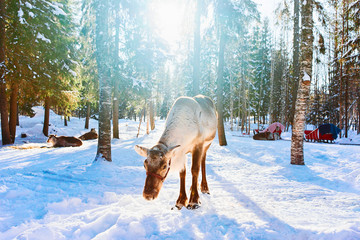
(170, 19)
(266, 7)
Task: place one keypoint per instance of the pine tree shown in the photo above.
(87, 61)
(230, 18)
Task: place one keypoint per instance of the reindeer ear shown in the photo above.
(142, 151)
(170, 150)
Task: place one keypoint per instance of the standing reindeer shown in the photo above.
(190, 128)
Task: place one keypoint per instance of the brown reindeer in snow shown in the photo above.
(89, 135)
(63, 141)
(264, 136)
(190, 128)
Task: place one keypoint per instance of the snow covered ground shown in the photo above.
(60, 193)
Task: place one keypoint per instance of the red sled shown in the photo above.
(317, 136)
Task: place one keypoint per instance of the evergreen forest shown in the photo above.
(123, 59)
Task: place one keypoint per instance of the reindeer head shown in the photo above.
(52, 138)
(157, 166)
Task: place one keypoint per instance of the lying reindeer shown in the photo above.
(89, 135)
(190, 128)
(264, 136)
(63, 141)
(268, 135)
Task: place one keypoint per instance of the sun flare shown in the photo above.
(170, 19)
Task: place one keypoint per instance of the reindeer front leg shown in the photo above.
(195, 168)
(204, 185)
(182, 200)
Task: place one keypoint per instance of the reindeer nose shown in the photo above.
(149, 195)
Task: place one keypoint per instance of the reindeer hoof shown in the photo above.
(206, 191)
(205, 188)
(178, 207)
(193, 206)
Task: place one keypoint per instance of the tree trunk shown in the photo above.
(219, 92)
(239, 110)
(336, 79)
(240, 102)
(296, 54)
(284, 91)
(248, 132)
(116, 115)
(231, 105)
(260, 104)
(17, 116)
(87, 119)
(117, 72)
(46, 116)
(358, 113)
(346, 77)
(141, 117)
(102, 56)
(13, 110)
(297, 140)
(196, 70)
(152, 115)
(65, 121)
(148, 118)
(271, 107)
(5, 130)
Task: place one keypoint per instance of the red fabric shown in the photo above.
(272, 128)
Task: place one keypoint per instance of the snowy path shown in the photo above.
(255, 193)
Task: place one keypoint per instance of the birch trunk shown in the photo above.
(295, 60)
(102, 55)
(297, 140)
